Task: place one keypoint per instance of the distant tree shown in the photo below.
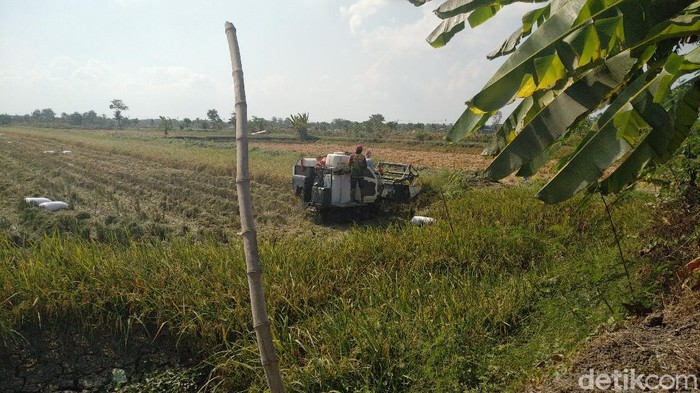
(166, 124)
(422, 136)
(232, 119)
(118, 106)
(322, 126)
(375, 122)
(5, 120)
(90, 117)
(36, 115)
(135, 122)
(300, 123)
(103, 121)
(377, 118)
(187, 122)
(216, 121)
(341, 124)
(48, 114)
(257, 123)
(75, 119)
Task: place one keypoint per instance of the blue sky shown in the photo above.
(333, 59)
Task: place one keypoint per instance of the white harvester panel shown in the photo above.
(340, 187)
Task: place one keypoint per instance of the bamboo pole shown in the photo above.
(261, 323)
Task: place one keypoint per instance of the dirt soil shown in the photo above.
(64, 358)
(468, 160)
(666, 342)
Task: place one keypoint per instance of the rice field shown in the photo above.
(498, 293)
(149, 184)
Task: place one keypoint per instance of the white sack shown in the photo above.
(422, 220)
(54, 206)
(36, 200)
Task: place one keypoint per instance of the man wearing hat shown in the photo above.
(358, 163)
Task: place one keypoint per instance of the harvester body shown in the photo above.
(326, 182)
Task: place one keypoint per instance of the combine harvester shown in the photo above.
(325, 182)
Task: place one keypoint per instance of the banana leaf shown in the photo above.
(634, 105)
(451, 8)
(660, 143)
(553, 119)
(446, 30)
(579, 33)
(529, 20)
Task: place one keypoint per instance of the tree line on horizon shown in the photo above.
(47, 117)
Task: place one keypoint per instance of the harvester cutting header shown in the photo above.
(342, 179)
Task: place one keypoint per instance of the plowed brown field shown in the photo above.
(468, 160)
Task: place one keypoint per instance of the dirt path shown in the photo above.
(664, 343)
(468, 160)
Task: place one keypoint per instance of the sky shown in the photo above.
(344, 59)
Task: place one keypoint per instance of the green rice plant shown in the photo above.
(479, 301)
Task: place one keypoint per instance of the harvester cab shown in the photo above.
(325, 182)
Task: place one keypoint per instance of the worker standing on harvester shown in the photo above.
(358, 164)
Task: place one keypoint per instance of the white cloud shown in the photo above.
(170, 78)
(408, 79)
(92, 71)
(407, 39)
(90, 84)
(385, 66)
(128, 3)
(361, 10)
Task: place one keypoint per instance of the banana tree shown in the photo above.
(570, 58)
(300, 123)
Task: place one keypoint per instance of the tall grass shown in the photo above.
(392, 308)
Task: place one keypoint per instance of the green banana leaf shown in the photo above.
(660, 143)
(451, 8)
(469, 121)
(446, 30)
(531, 167)
(521, 115)
(516, 74)
(482, 14)
(509, 45)
(666, 30)
(650, 151)
(609, 144)
(529, 20)
(567, 36)
(554, 118)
